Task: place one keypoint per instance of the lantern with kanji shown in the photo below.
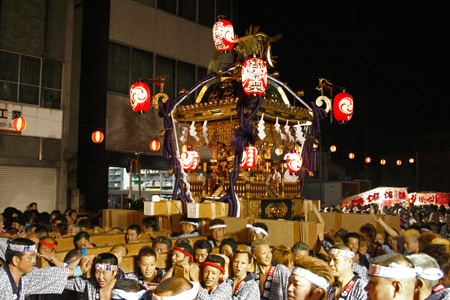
(97, 136)
(293, 162)
(343, 107)
(333, 148)
(223, 35)
(19, 124)
(154, 145)
(351, 155)
(249, 158)
(368, 160)
(383, 162)
(140, 97)
(254, 76)
(399, 162)
(190, 160)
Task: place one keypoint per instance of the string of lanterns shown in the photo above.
(368, 159)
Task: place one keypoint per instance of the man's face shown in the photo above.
(73, 216)
(339, 264)
(227, 250)
(72, 231)
(45, 249)
(105, 278)
(187, 228)
(300, 253)
(18, 226)
(200, 255)
(353, 243)
(411, 245)
(363, 248)
(255, 235)
(298, 288)
(379, 288)
(218, 234)
(26, 263)
(211, 276)
(84, 243)
(33, 207)
(147, 264)
(379, 238)
(132, 236)
(178, 257)
(263, 255)
(161, 248)
(241, 265)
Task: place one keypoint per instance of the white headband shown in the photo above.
(22, 248)
(217, 226)
(395, 271)
(187, 222)
(311, 277)
(121, 294)
(186, 295)
(342, 252)
(257, 230)
(105, 267)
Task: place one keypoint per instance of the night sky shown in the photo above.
(393, 57)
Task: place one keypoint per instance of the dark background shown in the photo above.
(393, 57)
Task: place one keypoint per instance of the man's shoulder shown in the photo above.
(283, 269)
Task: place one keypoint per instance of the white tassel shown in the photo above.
(205, 132)
(261, 128)
(193, 131)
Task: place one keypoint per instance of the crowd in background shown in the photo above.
(423, 236)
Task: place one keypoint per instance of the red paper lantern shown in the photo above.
(294, 162)
(399, 162)
(254, 76)
(19, 124)
(190, 159)
(343, 107)
(333, 148)
(223, 35)
(411, 160)
(383, 162)
(249, 158)
(368, 160)
(97, 137)
(351, 155)
(140, 97)
(154, 145)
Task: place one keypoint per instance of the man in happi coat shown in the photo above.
(19, 278)
(347, 285)
(271, 277)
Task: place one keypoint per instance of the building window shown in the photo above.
(118, 68)
(127, 65)
(168, 5)
(30, 80)
(206, 13)
(141, 65)
(166, 66)
(185, 79)
(187, 9)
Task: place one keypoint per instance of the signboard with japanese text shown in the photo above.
(41, 122)
(381, 196)
(429, 198)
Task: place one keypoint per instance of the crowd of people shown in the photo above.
(410, 263)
